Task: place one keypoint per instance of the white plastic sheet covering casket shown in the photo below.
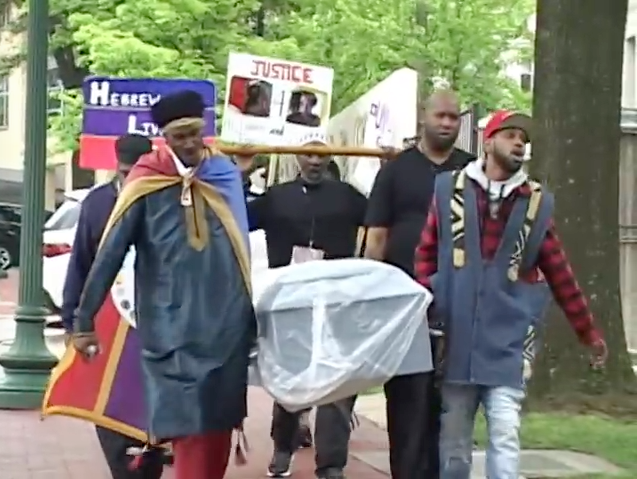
(327, 329)
(331, 329)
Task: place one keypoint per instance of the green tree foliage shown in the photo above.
(463, 42)
(470, 42)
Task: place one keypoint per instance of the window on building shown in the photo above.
(629, 97)
(5, 15)
(4, 102)
(526, 82)
(54, 85)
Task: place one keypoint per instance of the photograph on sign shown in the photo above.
(274, 102)
(117, 106)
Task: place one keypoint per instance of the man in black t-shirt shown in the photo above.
(396, 214)
(319, 217)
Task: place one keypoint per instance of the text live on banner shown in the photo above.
(116, 106)
(274, 102)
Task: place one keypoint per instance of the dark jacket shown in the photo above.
(194, 314)
(96, 208)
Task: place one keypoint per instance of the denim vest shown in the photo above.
(489, 315)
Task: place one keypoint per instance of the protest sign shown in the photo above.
(116, 106)
(384, 116)
(274, 102)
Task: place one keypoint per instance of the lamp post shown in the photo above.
(28, 362)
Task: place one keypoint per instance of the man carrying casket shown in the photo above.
(183, 209)
(396, 213)
(315, 216)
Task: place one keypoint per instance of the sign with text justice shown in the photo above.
(270, 101)
(116, 106)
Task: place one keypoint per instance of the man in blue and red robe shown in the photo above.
(183, 210)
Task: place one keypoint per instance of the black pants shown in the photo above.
(331, 437)
(275, 425)
(114, 446)
(413, 426)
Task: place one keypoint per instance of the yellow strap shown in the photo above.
(458, 221)
(360, 241)
(534, 206)
(531, 214)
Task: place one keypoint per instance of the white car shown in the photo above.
(59, 233)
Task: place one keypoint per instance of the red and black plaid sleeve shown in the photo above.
(555, 266)
(426, 255)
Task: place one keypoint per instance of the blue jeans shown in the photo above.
(502, 407)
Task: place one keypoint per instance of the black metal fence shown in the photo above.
(468, 137)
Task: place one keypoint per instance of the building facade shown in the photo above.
(629, 86)
(13, 124)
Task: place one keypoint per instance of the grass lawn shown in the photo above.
(612, 439)
(376, 390)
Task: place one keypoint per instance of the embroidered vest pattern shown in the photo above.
(457, 219)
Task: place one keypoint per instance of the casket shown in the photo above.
(327, 329)
(331, 329)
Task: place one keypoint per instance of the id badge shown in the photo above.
(303, 254)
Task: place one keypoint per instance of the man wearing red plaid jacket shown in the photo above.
(491, 256)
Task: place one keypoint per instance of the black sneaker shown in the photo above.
(169, 457)
(305, 437)
(331, 474)
(280, 465)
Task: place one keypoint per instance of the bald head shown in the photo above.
(442, 98)
(441, 120)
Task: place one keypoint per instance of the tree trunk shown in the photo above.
(577, 103)
(81, 178)
(71, 74)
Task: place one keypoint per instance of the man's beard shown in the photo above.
(440, 143)
(509, 163)
(313, 176)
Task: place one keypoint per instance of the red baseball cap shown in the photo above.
(504, 119)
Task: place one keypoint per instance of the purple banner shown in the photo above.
(116, 106)
(126, 402)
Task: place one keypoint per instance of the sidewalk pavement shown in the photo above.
(533, 463)
(64, 448)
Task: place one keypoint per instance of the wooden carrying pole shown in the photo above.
(322, 150)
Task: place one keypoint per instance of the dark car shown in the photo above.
(10, 221)
(10, 225)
